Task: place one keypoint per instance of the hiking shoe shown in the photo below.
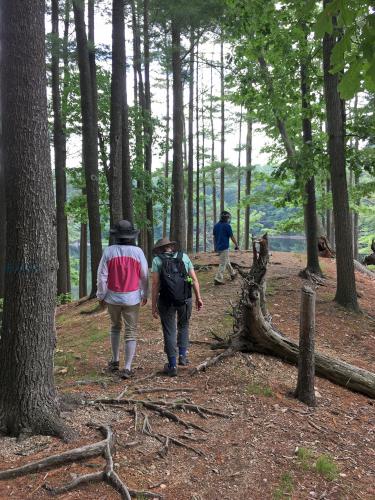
(125, 374)
(183, 360)
(217, 282)
(171, 371)
(113, 366)
(233, 276)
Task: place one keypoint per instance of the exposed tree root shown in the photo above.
(213, 360)
(145, 390)
(316, 279)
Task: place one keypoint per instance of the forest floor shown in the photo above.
(270, 447)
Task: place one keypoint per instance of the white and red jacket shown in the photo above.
(122, 275)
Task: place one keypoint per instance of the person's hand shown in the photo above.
(143, 302)
(236, 247)
(198, 303)
(155, 312)
(102, 304)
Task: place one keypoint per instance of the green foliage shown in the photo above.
(285, 488)
(259, 390)
(326, 466)
(304, 456)
(64, 298)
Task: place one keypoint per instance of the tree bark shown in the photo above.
(190, 184)
(178, 227)
(213, 174)
(346, 294)
(83, 261)
(197, 196)
(204, 189)
(305, 390)
(117, 107)
(239, 181)
(167, 131)
(27, 394)
(89, 142)
(127, 185)
(59, 141)
(249, 152)
(2, 216)
(222, 133)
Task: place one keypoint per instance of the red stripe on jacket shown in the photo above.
(123, 274)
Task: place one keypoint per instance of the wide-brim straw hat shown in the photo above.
(124, 229)
(163, 242)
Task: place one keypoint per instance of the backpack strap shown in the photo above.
(181, 263)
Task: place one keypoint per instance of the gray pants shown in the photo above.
(224, 264)
(168, 318)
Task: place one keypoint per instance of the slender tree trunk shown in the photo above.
(117, 102)
(357, 199)
(329, 212)
(83, 262)
(204, 179)
(89, 142)
(190, 186)
(213, 174)
(166, 164)
(178, 227)
(27, 394)
(239, 181)
(127, 185)
(346, 289)
(310, 214)
(60, 159)
(197, 201)
(249, 153)
(222, 134)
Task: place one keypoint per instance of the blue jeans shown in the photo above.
(172, 317)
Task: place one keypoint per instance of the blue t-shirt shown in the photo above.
(222, 233)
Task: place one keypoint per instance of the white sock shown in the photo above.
(130, 346)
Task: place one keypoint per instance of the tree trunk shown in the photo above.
(83, 261)
(249, 152)
(89, 142)
(204, 179)
(239, 181)
(305, 390)
(127, 185)
(222, 134)
(213, 172)
(178, 227)
(329, 213)
(166, 165)
(59, 142)
(190, 184)
(27, 394)
(252, 333)
(309, 206)
(148, 131)
(197, 199)
(117, 107)
(346, 294)
(2, 221)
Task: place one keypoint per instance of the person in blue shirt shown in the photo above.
(222, 233)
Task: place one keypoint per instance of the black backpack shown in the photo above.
(175, 287)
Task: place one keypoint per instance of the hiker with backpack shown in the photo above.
(123, 287)
(222, 233)
(173, 278)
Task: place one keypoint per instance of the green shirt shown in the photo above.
(157, 263)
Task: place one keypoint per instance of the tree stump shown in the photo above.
(306, 359)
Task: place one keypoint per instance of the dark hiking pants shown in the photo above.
(175, 324)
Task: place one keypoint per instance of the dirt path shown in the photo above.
(270, 447)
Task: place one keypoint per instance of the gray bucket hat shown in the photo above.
(162, 243)
(124, 229)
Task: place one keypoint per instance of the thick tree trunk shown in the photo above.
(166, 163)
(59, 141)
(249, 152)
(2, 222)
(197, 191)
(83, 261)
(252, 333)
(190, 183)
(127, 185)
(89, 142)
(204, 188)
(27, 394)
(213, 174)
(178, 227)
(239, 181)
(346, 294)
(222, 132)
(329, 213)
(117, 102)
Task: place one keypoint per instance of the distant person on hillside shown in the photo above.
(222, 233)
(123, 287)
(173, 277)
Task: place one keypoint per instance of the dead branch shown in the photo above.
(213, 361)
(201, 410)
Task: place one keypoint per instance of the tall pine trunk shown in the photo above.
(249, 153)
(166, 162)
(89, 141)
(178, 226)
(127, 185)
(239, 181)
(346, 289)
(117, 101)
(2, 222)
(197, 199)
(204, 179)
(27, 394)
(83, 261)
(59, 142)
(190, 201)
(222, 133)
(213, 173)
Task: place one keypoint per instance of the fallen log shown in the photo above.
(363, 269)
(253, 333)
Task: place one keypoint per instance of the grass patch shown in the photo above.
(305, 456)
(326, 466)
(257, 389)
(285, 488)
